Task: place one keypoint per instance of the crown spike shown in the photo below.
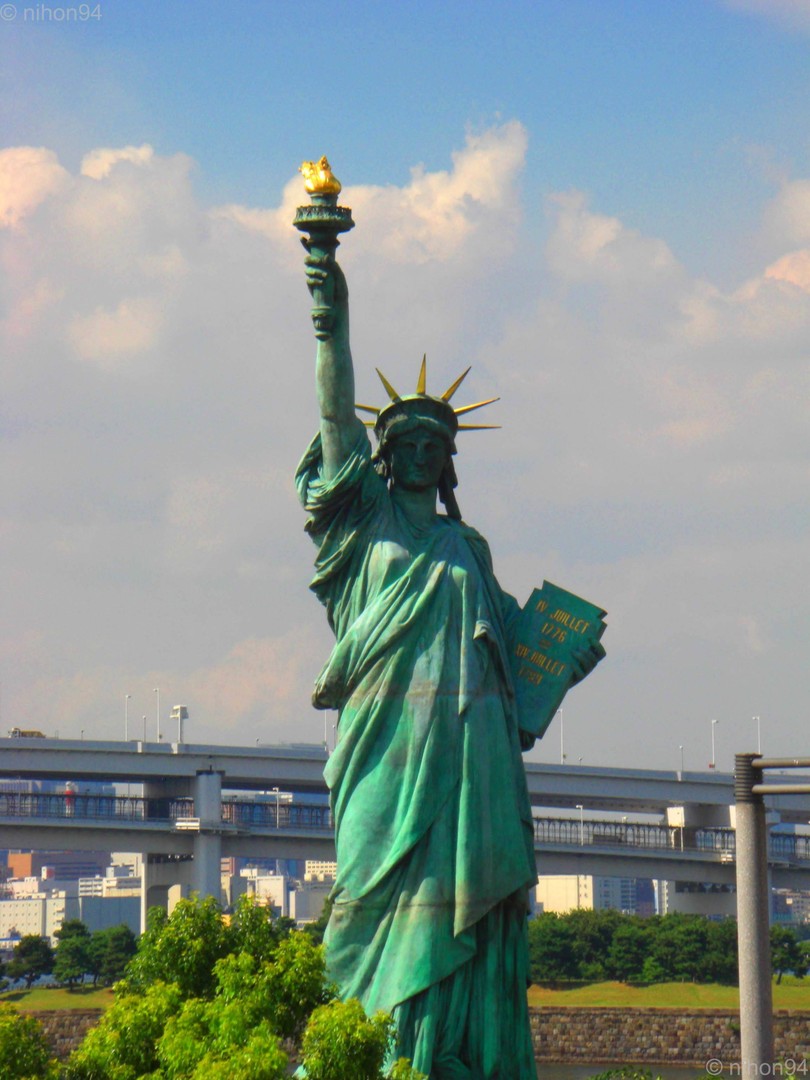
(421, 382)
(388, 387)
(367, 423)
(452, 389)
(367, 408)
(479, 427)
(477, 405)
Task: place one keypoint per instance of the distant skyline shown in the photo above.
(604, 207)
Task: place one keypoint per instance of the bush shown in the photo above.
(24, 1053)
(341, 1041)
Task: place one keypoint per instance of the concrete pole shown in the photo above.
(144, 890)
(208, 842)
(753, 931)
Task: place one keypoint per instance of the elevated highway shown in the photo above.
(299, 769)
(182, 813)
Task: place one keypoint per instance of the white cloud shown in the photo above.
(787, 218)
(106, 336)
(653, 455)
(98, 163)
(794, 268)
(28, 176)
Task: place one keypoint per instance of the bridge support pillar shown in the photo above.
(753, 934)
(208, 842)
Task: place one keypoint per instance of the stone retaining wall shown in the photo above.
(64, 1029)
(657, 1036)
(595, 1036)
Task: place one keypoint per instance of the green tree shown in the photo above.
(262, 991)
(787, 954)
(341, 1041)
(182, 949)
(123, 1046)
(262, 998)
(33, 957)
(254, 929)
(721, 960)
(551, 948)
(72, 928)
(628, 950)
(73, 954)
(111, 950)
(592, 933)
(24, 1051)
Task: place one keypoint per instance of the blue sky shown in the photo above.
(679, 115)
(603, 206)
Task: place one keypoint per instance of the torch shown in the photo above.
(322, 220)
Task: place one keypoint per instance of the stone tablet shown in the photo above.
(552, 625)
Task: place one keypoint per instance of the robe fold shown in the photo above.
(433, 825)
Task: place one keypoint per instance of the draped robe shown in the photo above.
(433, 826)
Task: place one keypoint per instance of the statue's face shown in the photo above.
(417, 459)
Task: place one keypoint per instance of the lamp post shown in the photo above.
(156, 691)
(144, 728)
(681, 750)
(581, 809)
(126, 716)
(275, 790)
(759, 736)
(714, 725)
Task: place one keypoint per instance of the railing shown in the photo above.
(572, 831)
(260, 814)
(68, 806)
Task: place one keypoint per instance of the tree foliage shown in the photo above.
(341, 1041)
(205, 999)
(24, 1052)
(596, 945)
(787, 953)
(32, 958)
(73, 953)
(110, 952)
(182, 949)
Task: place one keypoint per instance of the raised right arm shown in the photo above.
(334, 373)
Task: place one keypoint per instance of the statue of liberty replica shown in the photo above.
(433, 826)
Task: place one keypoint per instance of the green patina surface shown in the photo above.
(432, 818)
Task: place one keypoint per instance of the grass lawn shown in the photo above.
(46, 998)
(791, 994)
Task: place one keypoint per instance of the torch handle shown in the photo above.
(322, 221)
(322, 245)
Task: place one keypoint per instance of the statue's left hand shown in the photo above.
(584, 660)
(527, 740)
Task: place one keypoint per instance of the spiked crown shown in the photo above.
(405, 412)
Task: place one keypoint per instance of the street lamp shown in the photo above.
(581, 808)
(681, 750)
(126, 716)
(714, 725)
(144, 728)
(759, 736)
(156, 691)
(275, 790)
